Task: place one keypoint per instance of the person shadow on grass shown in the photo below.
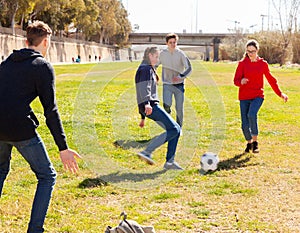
(127, 144)
(119, 177)
(239, 160)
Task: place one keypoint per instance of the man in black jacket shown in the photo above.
(25, 75)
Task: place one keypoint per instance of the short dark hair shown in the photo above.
(36, 32)
(171, 36)
(253, 43)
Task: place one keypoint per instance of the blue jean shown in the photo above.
(34, 152)
(249, 110)
(171, 135)
(178, 91)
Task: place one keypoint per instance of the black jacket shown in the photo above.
(25, 75)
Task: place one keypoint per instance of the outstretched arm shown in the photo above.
(284, 97)
(68, 159)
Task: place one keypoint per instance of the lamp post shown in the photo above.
(252, 26)
(235, 23)
(235, 38)
(262, 21)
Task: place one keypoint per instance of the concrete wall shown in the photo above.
(68, 51)
(8, 43)
(64, 50)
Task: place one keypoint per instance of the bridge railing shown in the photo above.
(199, 39)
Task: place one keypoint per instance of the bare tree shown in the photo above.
(287, 11)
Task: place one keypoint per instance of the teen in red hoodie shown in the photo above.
(249, 77)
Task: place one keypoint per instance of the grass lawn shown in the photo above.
(248, 193)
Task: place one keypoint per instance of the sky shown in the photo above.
(206, 16)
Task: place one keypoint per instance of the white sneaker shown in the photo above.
(172, 166)
(147, 158)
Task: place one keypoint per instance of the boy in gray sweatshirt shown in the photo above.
(175, 68)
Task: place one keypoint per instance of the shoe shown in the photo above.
(255, 147)
(181, 133)
(146, 157)
(172, 166)
(248, 148)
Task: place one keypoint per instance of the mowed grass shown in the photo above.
(248, 193)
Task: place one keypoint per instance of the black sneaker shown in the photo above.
(248, 148)
(255, 147)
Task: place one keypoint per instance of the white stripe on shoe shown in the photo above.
(146, 158)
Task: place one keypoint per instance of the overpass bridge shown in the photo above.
(207, 40)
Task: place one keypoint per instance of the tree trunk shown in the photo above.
(14, 8)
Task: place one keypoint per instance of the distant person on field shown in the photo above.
(24, 76)
(78, 59)
(175, 68)
(146, 80)
(249, 77)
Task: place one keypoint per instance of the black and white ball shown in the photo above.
(209, 161)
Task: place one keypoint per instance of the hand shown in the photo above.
(68, 159)
(148, 109)
(176, 79)
(142, 123)
(284, 97)
(244, 81)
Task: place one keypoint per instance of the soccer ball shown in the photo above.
(209, 161)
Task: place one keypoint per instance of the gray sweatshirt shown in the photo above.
(175, 64)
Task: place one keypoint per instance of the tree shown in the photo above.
(296, 48)
(86, 20)
(123, 27)
(287, 11)
(3, 11)
(22, 15)
(269, 46)
(105, 19)
(8, 13)
(59, 14)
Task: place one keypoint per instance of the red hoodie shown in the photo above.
(254, 72)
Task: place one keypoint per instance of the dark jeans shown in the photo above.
(171, 135)
(34, 152)
(249, 110)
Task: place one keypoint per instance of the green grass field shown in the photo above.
(248, 193)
